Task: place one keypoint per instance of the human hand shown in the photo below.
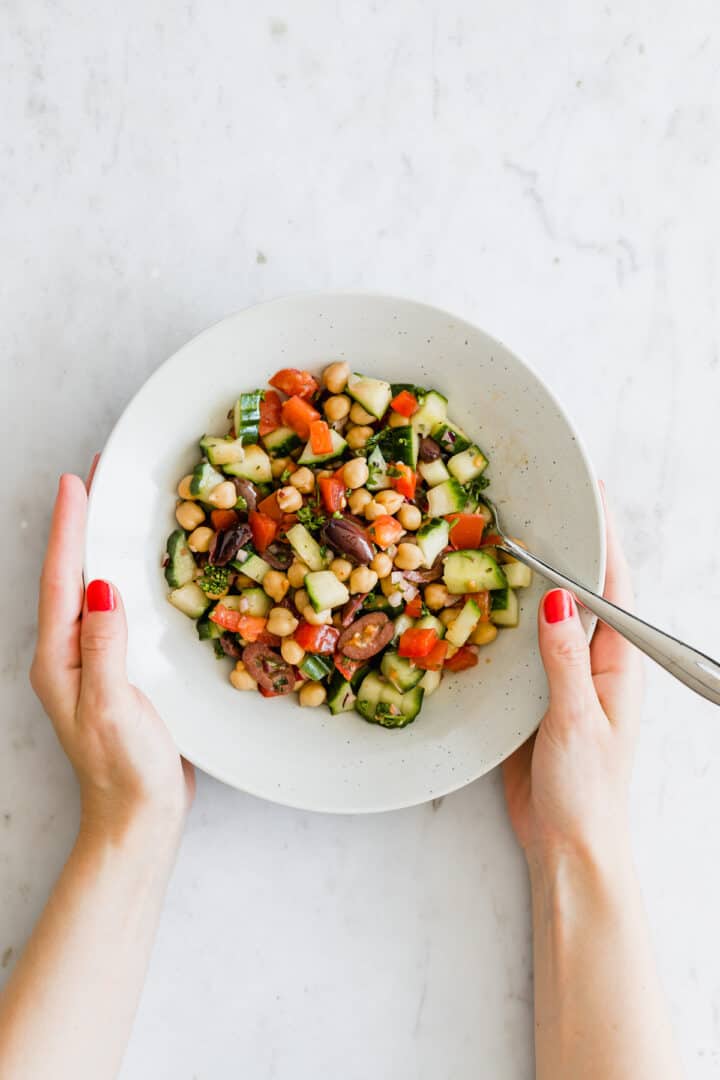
(567, 787)
(123, 755)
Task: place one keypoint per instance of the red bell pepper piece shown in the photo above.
(223, 519)
(270, 412)
(434, 659)
(269, 506)
(263, 528)
(417, 641)
(405, 403)
(482, 599)
(320, 439)
(250, 626)
(405, 483)
(332, 490)
(466, 531)
(299, 415)
(385, 530)
(414, 607)
(346, 666)
(462, 659)
(294, 382)
(316, 639)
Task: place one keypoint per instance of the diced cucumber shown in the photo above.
(180, 566)
(207, 629)
(446, 498)
(309, 458)
(519, 576)
(255, 567)
(232, 603)
(341, 696)
(254, 466)
(305, 547)
(418, 392)
(399, 444)
(433, 472)
(281, 442)
(247, 416)
(460, 630)
(377, 602)
(402, 623)
(450, 438)
(222, 451)
(190, 599)
(432, 538)
(379, 702)
(430, 682)
(432, 411)
(378, 478)
(472, 571)
(255, 602)
(373, 394)
(468, 464)
(429, 622)
(505, 609)
(401, 672)
(204, 479)
(325, 591)
(316, 667)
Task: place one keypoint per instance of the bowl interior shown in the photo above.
(541, 481)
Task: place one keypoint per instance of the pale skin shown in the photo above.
(600, 1013)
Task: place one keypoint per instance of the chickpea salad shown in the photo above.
(335, 543)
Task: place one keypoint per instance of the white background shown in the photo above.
(551, 172)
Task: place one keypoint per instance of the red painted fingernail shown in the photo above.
(558, 605)
(100, 596)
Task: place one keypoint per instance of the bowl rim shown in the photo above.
(368, 294)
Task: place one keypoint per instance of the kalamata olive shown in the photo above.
(231, 646)
(278, 555)
(366, 636)
(419, 577)
(349, 539)
(247, 490)
(227, 543)
(351, 609)
(428, 449)
(268, 668)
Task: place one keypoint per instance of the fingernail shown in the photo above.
(100, 596)
(558, 605)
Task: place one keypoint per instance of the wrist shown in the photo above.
(592, 871)
(145, 826)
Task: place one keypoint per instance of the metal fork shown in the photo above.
(698, 671)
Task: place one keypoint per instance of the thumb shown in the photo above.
(103, 639)
(565, 653)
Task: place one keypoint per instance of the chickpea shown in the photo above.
(303, 479)
(436, 596)
(363, 579)
(336, 408)
(409, 517)
(183, 489)
(224, 496)
(448, 615)
(296, 574)
(323, 473)
(341, 568)
(281, 622)
(409, 557)
(358, 415)
(275, 585)
(391, 500)
(359, 500)
(317, 618)
(389, 587)
(242, 680)
(189, 515)
(278, 465)
(335, 376)
(291, 652)
(373, 510)
(289, 499)
(201, 538)
(355, 473)
(301, 600)
(357, 437)
(242, 581)
(381, 564)
(396, 420)
(312, 694)
(484, 633)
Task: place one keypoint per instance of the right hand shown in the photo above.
(567, 788)
(125, 760)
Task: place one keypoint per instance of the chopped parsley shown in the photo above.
(474, 487)
(215, 580)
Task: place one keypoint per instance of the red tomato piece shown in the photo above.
(320, 439)
(270, 412)
(316, 639)
(405, 483)
(385, 530)
(414, 608)
(417, 641)
(294, 382)
(299, 415)
(250, 626)
(466, 531)
(263, 528)
(405, 403)
(223, 519)
(463, 658)
(434, 659)
(346, 666)
(332, 490)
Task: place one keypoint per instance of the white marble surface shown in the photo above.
(550, 171)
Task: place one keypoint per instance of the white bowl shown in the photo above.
(542, 482)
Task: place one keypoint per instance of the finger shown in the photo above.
(610, 651)
(61, 588)
(91, 474)
(565, 655)
(103, 642)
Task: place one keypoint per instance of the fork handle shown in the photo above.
(698, 671)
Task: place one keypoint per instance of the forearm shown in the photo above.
(70, 1004)
(600, 1012)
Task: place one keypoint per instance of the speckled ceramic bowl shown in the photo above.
(542, 482)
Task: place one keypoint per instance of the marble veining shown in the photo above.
(548, 172)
